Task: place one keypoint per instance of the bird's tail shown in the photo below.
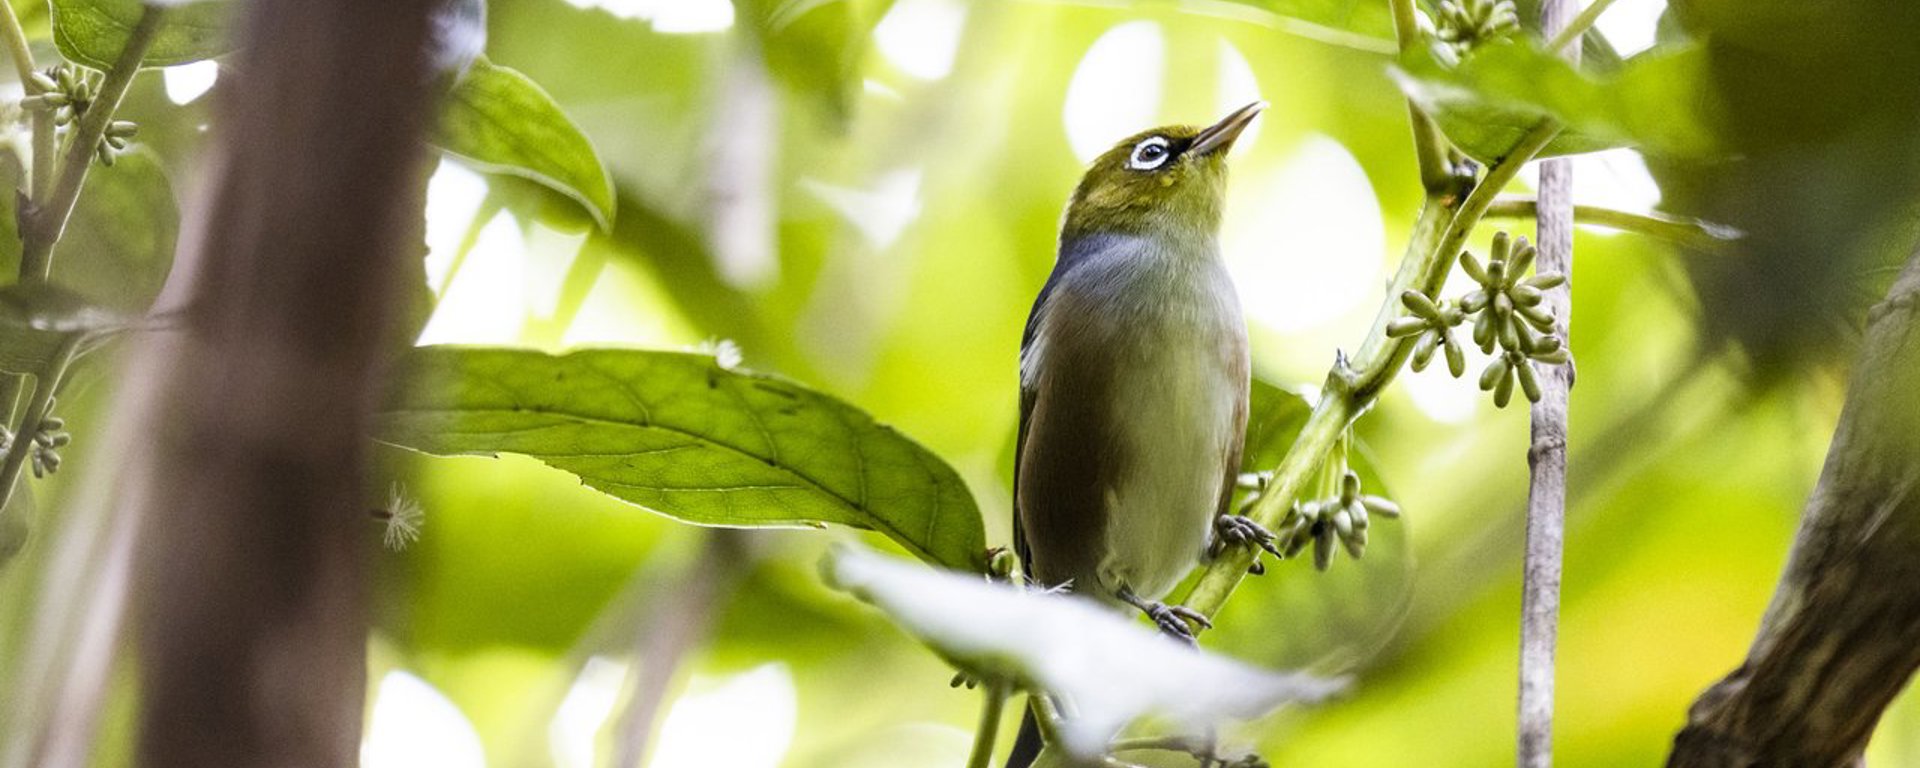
(1026, 746)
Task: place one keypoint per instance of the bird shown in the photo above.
(1134, 379)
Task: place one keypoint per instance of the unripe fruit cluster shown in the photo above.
(1509, 313)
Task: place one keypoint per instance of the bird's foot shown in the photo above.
(1177, 621)
(1240, 530)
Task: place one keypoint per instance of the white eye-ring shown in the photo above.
(1152, 152)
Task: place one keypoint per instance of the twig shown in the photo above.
(681, 621)
(991, 710)
(1692, 233)
(43, 229)
(1438, 236)
(1575, 28)
(1429, 148)
(1547, 457)
(44, 387)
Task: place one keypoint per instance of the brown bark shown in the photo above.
(1842, 635)
(252, 599)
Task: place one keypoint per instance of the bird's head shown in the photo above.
(1171, 179)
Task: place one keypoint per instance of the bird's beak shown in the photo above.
(1219, 136)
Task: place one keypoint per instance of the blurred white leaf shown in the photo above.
(1111, 670)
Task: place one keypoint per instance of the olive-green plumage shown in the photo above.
(1185, 196)
(1133, 381)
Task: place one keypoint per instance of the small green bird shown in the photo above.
(1133, 383)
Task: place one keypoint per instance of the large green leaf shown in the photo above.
(1487, 102)
(118, 247)
(93, 32)
(814, 47)
(504, 122)
(681, 435)
(1364, 24)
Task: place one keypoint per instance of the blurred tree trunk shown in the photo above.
(1842, 635)
(252, 609)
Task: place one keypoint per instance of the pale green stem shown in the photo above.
(989, 730)
(37, 411)
(490, 207)
(1350, 392)
(17, 47)
(1429, 148)
(1688, 232)
(49, 220)
(1579, 25)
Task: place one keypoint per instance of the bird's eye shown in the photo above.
(1149, 154)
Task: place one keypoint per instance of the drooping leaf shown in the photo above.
(39, 320)
(94, 32)
(502, 121)
(118, 246)
(683, 436)
(1113, 670)
(1492, 98)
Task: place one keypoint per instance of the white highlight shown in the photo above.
(1614, 178)
(413, 724)
(745, 721)
(1306, 245)
(882, 211)
(1630, 24)
(573, 734)
(921, 37)
(1113, 669)
(674, 17)
(188, 82)
(1115, 90)
(486, 304)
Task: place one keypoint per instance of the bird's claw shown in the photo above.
(1178, 621)
(1241, 530)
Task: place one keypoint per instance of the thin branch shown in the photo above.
(680, 621)
(1692, 233)
(15, 38)
(991, 710)
(1577, 27)
(1429, 148)
(1439, 234)
(49, 219)
(44, 386)
(1547, 457)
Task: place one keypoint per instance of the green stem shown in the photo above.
(1429, 148)
(36, 414)
(989, 730)
(17, 47)
(1579, 25)
(1350, 392)
(1689, 232)
(49, 220)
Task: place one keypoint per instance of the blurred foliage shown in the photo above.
(501, 121)
(92, 32)
(911, 214)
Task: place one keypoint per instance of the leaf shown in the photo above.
(679, 435)
(38, 320)
(1487, 102)
(815, 47)
(94, 32)
(118, 247)
(1113, 670)
(503, 122)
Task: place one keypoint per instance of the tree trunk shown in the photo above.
(1842, 635)
(252, 576)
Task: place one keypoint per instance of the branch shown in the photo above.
(1439, 234)
(1429, 147)
(1575, 28)
(1692, 233)
(1837, 643)
(1547, 456)
(43, 229)
(681, 617)
(989, 729)
(18, 49)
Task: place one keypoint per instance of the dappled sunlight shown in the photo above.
(414, 725)
(1115, 90)
(741, 721)
(1306, 243)
(574, 733)
(670, 16)
(921, 37)
(188, 82)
